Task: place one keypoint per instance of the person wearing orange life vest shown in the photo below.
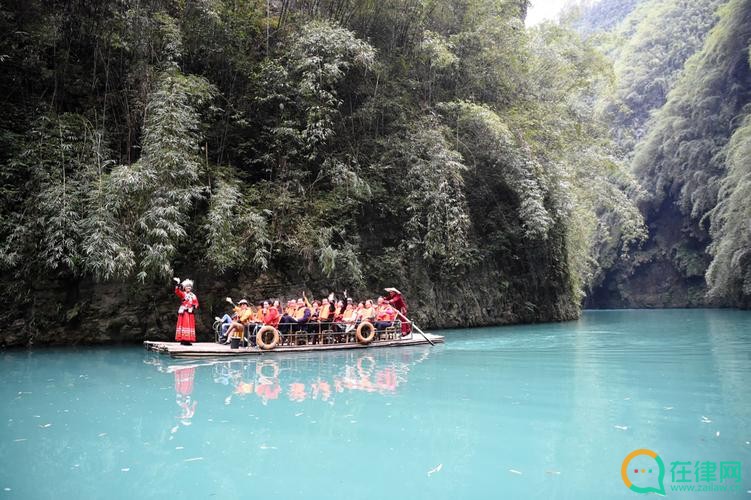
(244, 316)
(368, 313)
(349, 318)
(302, 314)
(385, 315)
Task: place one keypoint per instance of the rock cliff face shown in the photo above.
(668, 271)
(90, 313)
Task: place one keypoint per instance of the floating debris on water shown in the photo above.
(192, 459)
(718, 434)
(179, 447)
(667, 408)
(514, 471)
(125, 469)
(553, 472)
(267, 447)
(19, 440)
(705, 420)
(621, 427)
(101, 434)
(435, 469)
(45, 426)
(298, 414)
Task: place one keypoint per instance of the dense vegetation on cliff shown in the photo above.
(680, 116)
(260, 147)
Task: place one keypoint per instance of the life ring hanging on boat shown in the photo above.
(361, 338)
(262, 342)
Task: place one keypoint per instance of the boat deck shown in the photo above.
(213, 350)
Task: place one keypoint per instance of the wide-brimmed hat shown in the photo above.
(243, 301)
(393, 290)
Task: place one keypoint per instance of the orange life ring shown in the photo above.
(362, 338)
(262, 343)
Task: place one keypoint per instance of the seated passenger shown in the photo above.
(225, 321)
(260, 320)
(349, 318)
(385, 315)
(338, 311)
(324, 314)
(368, 313)
(271, 317)
(244, 316)
(288, 318)
(302, 314)
(314, 309)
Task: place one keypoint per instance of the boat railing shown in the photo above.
(320, 332)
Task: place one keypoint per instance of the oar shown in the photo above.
(415, 326)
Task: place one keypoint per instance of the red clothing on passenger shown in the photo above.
(271, 317)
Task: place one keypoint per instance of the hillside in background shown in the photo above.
(679, 113)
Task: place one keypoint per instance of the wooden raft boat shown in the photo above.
(215, 350)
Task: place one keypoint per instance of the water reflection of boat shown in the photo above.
(290, 377)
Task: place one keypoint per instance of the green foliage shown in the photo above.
(651, 59)
(234, 232)
(158, 191)
(439, 223)
(682, 154)
(488, 141)
(729, 275)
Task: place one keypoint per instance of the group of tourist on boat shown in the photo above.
(330, 314)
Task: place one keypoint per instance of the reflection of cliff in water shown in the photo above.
(308, 376)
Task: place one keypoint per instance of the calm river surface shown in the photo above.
(537, 411)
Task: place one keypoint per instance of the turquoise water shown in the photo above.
(537, 411)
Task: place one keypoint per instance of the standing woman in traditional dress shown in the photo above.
(396, 299)
(185, 332)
